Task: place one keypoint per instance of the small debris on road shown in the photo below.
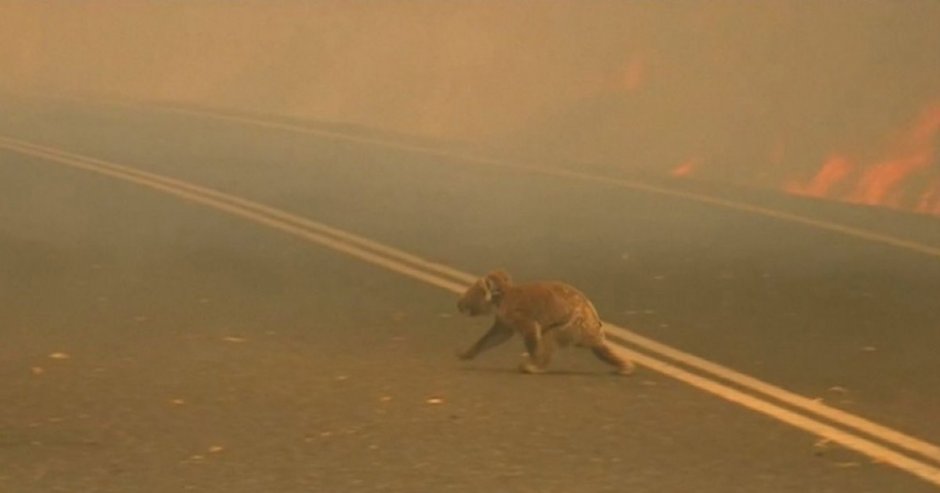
(847, 464)
(234, 339)
(434, 400)
(59, 356)
(821, 446)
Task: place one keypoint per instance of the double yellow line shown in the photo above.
(879, 442)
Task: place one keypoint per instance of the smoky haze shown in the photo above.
(761, 93)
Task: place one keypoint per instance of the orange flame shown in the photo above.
(686, 168)
(835, 169)
(880, 183)
(913, 153)
(887, 182)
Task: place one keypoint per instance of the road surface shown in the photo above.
(154, 343)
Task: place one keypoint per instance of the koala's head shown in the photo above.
(484, 294)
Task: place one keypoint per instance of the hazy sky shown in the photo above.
(760, 92)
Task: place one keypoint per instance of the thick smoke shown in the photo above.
(752, 92)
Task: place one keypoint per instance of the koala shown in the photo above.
(547, 314)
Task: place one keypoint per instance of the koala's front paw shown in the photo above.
(530, 368)
(626, 370)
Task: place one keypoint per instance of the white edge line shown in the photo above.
(873, 429)
(859, 233)
(909, 442)
(867, 447)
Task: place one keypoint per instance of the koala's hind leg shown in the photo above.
(497, 335)
(540, 349)
(604, 352)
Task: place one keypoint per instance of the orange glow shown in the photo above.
(915, 151)
(891, 181)
(835, 169)
(686, 168)
(881, 183)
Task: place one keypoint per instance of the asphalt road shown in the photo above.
(153, 344)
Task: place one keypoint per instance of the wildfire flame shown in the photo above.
(888, 182)
(833, 171)
(686, 168)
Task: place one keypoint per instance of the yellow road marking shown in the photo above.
(455, 281)
(925, 449)
(849, 440)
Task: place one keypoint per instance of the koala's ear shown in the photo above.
(495, 283)
(488, 285)
(500, 277)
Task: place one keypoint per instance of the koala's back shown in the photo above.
(564, 313)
